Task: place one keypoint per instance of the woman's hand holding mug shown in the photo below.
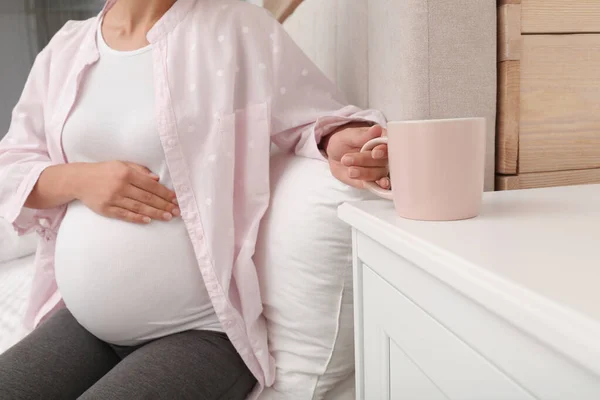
(436, 168)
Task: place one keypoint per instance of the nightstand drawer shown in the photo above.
(409, 355)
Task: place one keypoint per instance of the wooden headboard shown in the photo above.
(548, 93)
(281, 9)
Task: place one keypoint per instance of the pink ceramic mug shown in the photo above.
(436, 168)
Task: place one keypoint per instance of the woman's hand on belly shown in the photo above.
(124, 191)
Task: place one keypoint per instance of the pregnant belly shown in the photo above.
(130, 283)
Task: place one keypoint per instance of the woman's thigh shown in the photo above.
(58, 360)
(198, 365)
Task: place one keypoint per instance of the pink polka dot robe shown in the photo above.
(228, 81)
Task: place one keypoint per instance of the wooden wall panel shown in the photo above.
(507, 129)
(560, 98)
(560, 16)
(507, 182)
(281, 9)
(509, 32)
(548, 179)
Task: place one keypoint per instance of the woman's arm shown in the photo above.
(308, 110)
(24, 152)
(115, 189)
(54, 188)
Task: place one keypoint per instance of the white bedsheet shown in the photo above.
(15, 281)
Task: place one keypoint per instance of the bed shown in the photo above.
(15, 282)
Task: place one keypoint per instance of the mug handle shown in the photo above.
(372, 186)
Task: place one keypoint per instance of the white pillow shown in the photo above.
(13, 246)
(304, 261)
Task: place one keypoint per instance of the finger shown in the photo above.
(365, 135)
(380, 152)
(142, 169)
(367, 174)
(140, 208)
(384, 183)
(364, 159)
(151, 200)
(150, 185)
(128, 216)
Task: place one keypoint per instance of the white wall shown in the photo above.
(20, 41)
(16, 57)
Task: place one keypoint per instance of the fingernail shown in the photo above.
(347, 161)
(378, 154)
(167, 216)
(154, 176)
(175, 201)
(353, 173)
(147, 220)
(385, 182)
(176, 212)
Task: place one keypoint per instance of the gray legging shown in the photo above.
(61, 360)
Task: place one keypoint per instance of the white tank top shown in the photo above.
(125, 283)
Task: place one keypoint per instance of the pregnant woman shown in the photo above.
(139, 151)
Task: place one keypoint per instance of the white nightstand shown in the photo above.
(502, 307)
